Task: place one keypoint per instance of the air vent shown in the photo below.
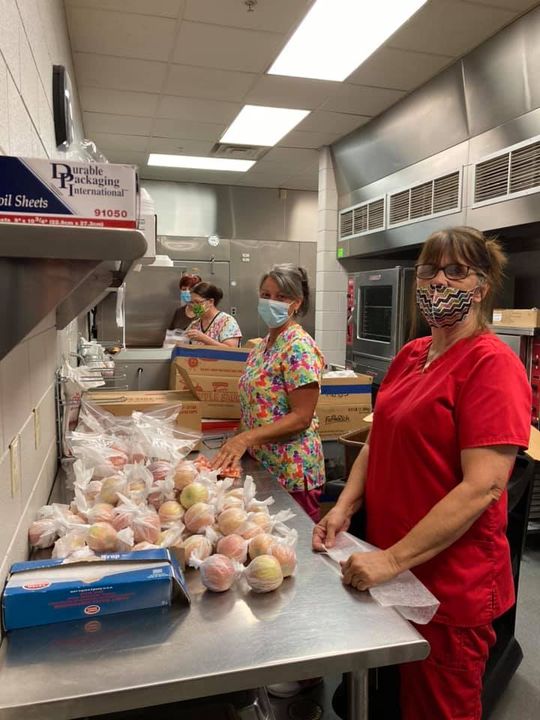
(362, 219)
(512, 173)
(429, 199)
(239, 152)
(346, 224)
(491, 178)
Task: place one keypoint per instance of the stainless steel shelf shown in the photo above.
(68, 269)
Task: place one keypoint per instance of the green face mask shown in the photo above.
(198, 310)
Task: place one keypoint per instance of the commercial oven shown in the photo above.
(380, 315)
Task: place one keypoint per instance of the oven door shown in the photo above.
(378, 308)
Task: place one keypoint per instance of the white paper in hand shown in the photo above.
(405, 593)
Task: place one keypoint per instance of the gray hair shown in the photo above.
(292, 280)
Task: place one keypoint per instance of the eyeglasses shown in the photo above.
(453, 271)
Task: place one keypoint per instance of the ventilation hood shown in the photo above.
(67, 269)
(463, 149)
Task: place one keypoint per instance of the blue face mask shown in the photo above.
(185, 296)
(273, 312)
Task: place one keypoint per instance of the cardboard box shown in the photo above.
(252, 342)
(65, 192)
(218, 395)
(533, 451)
(40, 592)
(204, 360)
(343, 404)
(127, 401)
(516, 318)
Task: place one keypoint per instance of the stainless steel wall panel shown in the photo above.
(430, 120)
(495, 80)
(192, 248)
(512, 132)
(532, 56)
(301, 214)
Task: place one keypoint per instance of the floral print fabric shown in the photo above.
(293, 361)
(223, 327)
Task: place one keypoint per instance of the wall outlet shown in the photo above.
(15, 462)
(37, 428)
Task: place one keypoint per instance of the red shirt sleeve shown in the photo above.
(494, 403)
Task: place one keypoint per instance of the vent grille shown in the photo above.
(399, 207)
(514, 172)
(346, 224)
(441, 195)
(525, 168)
(365, 218)
(491, 178)
(239, 152)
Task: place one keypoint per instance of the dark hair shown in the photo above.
(292, 280)
(188, 281)
(208, 292)
(473, 248)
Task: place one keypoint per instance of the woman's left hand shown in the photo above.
(197, 336)
(366, 569)
(231, 453)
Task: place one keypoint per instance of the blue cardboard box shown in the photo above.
(40, 592)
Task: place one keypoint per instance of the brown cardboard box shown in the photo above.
(126, 401)
(252, 342)
(343, 404)
(214, 362)
(533, 450)
(509, 317)
(218, 395)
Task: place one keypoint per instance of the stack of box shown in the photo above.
(212, 375)
(343, 404)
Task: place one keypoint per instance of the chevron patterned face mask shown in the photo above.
(444, 306)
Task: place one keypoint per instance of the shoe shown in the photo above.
(290, 689)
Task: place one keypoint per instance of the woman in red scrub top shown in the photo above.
(450, 416)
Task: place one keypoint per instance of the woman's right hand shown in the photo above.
(324, 533)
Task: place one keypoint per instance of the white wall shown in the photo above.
(33, 37)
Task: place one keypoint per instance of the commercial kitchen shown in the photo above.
(175, 168)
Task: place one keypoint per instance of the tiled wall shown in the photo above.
(331, 304)
(33, 37)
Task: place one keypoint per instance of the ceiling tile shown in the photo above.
(297, 139)
(117, 102)
(208, 83)
(179, 146)
(279, 91)
(449, 27)
(277, 15)
(183, 129)
(226, 48)
(362, 100)
(120, 73)
(119, 143)
(120, 34)
(185, 175)
(322, 121)
(192, 109)
(121, 124)
(162, 8)
(288, 159)
(398, 69)
(129, 157)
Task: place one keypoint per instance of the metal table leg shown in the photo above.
(356, 685)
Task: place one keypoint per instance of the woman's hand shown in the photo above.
(197, 336)
(231, 453)
(366, 569)
(324, 533)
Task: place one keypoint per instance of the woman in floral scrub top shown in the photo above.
(279, 391)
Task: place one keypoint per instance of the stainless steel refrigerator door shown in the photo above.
(250, 259)
(152, 297)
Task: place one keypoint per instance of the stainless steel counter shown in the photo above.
(311, 626)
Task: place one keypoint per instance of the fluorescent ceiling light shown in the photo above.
(259, 125)
(199, 163)
(336, 36)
